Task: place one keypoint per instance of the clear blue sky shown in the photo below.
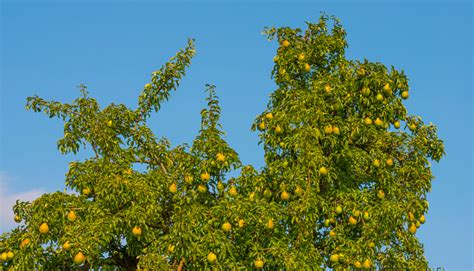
(49, 48)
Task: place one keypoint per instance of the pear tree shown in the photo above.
(344, 184)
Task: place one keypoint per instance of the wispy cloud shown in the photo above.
(8, 199)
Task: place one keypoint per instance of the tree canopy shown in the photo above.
(344, 185)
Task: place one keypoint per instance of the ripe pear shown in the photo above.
(327, 88)
(405, 94)
(278, 129)
(233, 191)
(226, 227)
(79, 258)
(285, 195)
(220, 157)
(44, 228)
(367, 121)
(307, 67)
(381, 194)
(66, 245)
(202, 188)
(258, 264)
(71, 216)
(396, 124)
(211, 257)
(173, 188)
(137, 231)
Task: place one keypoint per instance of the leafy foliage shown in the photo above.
(344, 183)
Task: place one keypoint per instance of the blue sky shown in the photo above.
(49, 48)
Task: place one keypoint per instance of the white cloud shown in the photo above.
(7, 200)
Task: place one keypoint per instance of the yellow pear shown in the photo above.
(173, 188)
(86, 191)
(220, 186)
(365, 91)
(278, 129)
(412, 228)
(220, 157)
(285, 43)
(211, 257)
(285, 195)
(188, 179)
(396, 124)
(307, 67)
(387, 88)
(205, 176)
(381, 194)
(226, 227)
(367, 121)
(378, 122)
(411, 216)
(137, 230)
(327, 88)
(202, 188)
(44, 228)
(258, 264)
(24, 243)
(71, 216)
(269, 224)
(233, 191)
(366, 216)
(405, 94)
(299, 191)
(66, 245)
(376, 163)
(79, 258)
(328, 129)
